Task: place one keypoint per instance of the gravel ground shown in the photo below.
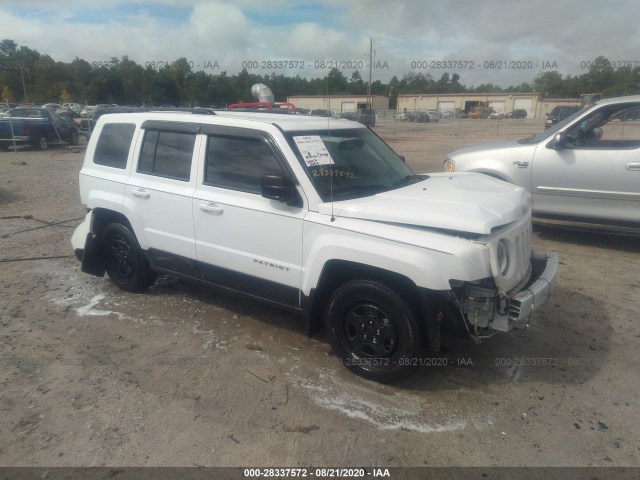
(186, 375)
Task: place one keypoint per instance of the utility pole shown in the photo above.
(370, 66)
(24, 88)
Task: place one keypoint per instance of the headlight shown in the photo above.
(502, 256)
(449, 165)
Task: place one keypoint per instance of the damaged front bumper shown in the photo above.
(485, 307)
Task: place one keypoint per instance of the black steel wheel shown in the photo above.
(373, 331)
(125, 262)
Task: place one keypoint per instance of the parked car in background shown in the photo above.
(52, 106)
(36, 126)
(517, 113)
(460, 113)
(366, 116)
(422, 117)
(559, 113)
(585, 167)
(88, 111)
(348, 115)
(319, 112)
(434, 115)
(76, 107)
(66, 112)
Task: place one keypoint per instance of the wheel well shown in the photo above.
(103, 217)
(338, 272)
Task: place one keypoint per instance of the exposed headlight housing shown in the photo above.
(449, 165)
(502, 257)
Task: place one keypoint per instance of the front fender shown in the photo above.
(428, 258)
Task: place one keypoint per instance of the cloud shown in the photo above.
(218, 25)
(404, 31)
(311, 41)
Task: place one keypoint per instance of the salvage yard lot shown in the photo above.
(186, 375)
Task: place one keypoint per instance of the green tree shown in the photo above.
(549, 84)
(65, 96)
(7, 95)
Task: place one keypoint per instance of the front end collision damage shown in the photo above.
(484, 307)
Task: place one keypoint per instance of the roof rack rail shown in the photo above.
(276, 107)
(192, 110)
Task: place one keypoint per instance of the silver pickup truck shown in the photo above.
(587, 167)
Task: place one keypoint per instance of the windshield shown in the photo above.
(549, 132)
(349, 163)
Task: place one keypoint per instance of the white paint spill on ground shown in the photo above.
(86, 295)
(397, 411)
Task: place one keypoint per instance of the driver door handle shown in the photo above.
(633, 166)
(211, 208)
(521, 163)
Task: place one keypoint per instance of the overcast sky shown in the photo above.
(499, 41)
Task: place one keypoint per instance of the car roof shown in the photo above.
(283, 121)
(615, 100)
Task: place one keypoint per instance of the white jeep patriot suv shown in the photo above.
(317, 215)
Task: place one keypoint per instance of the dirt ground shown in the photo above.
(186, 375)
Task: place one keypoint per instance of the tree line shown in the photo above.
(28, 76)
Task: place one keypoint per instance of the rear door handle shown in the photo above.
(140, 193)
(521, 164)
(211, 208)
(633, 166)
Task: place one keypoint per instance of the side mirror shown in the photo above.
(278, 187)
(560, 140)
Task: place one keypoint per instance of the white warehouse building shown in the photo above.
(535, 106)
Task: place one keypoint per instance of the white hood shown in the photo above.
(464, 202)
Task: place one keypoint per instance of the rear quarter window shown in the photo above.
(112, 149)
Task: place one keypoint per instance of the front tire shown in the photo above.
(373, 331)
(125, 262)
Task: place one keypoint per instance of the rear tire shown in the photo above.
(373, 331)
(125, 262)
(43, 143)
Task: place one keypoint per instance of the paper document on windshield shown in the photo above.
(313, 150)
